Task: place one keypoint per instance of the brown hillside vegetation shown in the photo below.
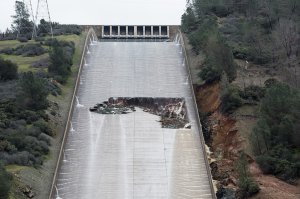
(228, 140)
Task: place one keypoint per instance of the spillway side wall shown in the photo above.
(90, 37)
(187, 64)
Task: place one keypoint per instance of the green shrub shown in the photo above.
(240, 53)
(53, 87)
(23, 39)
(209, 72)
(23, 138)
(221, 10)
(39, 39)
(219, 59)
(45, 138)
(261, 59)
(43, 126)
(276, 132)
(266, 163)
(29, 50)
(23, 158)
(285, 169)
(61, 29)
(61, 60)
(8, 70)
(270, 82)
(253, 93)
(6, 146)
(33, 93)
(199, 38)
(230, 99)
(29, 116)
(247, 186)
(7, 51)
(188, 20)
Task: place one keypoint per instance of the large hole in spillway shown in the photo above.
(172, 111)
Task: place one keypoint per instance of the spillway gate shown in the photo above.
(125, 31)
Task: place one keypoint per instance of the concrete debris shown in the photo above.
(188, 126)
(172, 111)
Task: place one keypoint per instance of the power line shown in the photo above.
(42, 12)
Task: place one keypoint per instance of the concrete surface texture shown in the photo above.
(130, 156)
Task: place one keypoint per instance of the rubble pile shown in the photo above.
(172, 111)
(109, 108)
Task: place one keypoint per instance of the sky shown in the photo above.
(104, 12)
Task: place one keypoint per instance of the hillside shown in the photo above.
(244, 58)
(30, 135)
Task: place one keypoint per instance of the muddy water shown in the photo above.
(130, 156)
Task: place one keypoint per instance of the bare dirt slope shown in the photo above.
(229, 137)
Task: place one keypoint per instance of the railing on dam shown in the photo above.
(118, 31)
(90, 38)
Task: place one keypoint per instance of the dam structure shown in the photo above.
(130, 156)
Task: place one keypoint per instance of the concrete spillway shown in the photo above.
(130, 156)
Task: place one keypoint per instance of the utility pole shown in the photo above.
(42, 12)
(28, 4)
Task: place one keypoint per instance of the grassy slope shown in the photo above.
(24, 63)
(13, 43)
(40, 179)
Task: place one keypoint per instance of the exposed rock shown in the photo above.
(172, 111)
(188, 126)
(28, 192)
(225, 193)
(216, 174)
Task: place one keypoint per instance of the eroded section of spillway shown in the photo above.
(130, 156)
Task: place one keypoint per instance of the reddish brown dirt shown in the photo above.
(272, 187)
(208, 97)
(225, 136)
(227, 143)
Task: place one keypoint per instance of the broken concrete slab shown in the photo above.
(172, 111)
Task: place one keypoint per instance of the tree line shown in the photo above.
(23, 26)
(265, 32)
(25, 132)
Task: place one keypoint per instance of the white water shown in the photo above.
(85, 63)
(71, 128)
(77, 103)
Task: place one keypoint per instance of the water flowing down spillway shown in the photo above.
(130, 156)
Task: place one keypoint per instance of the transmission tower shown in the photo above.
(42, 12)
(28, 3)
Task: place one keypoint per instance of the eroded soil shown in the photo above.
(227, 140)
